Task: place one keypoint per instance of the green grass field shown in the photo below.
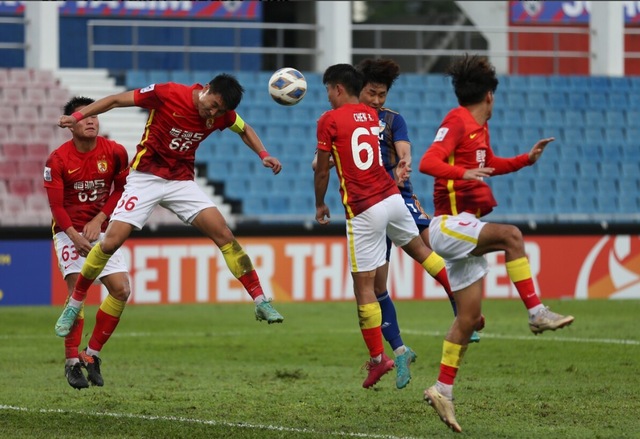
(195, 371)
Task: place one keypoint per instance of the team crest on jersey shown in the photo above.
(102, 166)
(210, 122)
(383, 125)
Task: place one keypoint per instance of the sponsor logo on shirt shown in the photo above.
(177, 115)
(47, 173)
(147, 88)
(71, 171)
(440, 135)
(471, 136)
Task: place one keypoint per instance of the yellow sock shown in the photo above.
(237, 260)
(433, 264)
(95, 262)
(112, 306)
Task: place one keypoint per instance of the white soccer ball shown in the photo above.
(287, 86)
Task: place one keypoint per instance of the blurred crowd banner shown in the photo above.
(192, 270)
(237, 10)
(552, 12)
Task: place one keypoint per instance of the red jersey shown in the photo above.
(461, 144)
(173, 131)
(350, 133)
(85, 181)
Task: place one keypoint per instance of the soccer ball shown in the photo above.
(287, 86)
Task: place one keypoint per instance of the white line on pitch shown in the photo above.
(207, 422)
(544, 337)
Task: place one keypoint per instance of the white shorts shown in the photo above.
(144, 191)
(367, 233)
(70, 262)
(454, 238)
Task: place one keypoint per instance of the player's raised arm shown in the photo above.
(124, 99)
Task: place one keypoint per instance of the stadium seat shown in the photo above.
(31, 169)
(628, 203)
(43, 79)
(559, 82)
(543, 186)
(57, 96)
(620, 84)
(591, 152)
(21, 187)
(628, 185)
(538, 83)
(615, 136)
(618, 101)
(587, 186)
(27, 113)
(4, 134)
(573, 136)
(611, 152)
(579, 83)
(521, 203)
(597, 100)
(531, 135)
(599, 83)
(537, 99)
(564, 203)
(12, 96)
(585, 203)
(545, 168)
(578, 100)
(630, 169)
(607, 186)
(614, 118)
(19, 78)
(575, 118)
(589, 170)
(543, 204)
(7, 115)
(533, 118)
(594, 135)
(157, 76)
(35, 96)
(181, 77)
(634, 100)
(565, 185)
(607, 203)
(553, 118)
(136, 79)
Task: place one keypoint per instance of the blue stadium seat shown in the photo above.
(537, 99)
(564, 202)
(277, 205)
(615, 119)
(634, 99)
(594, 135)
(615, 136)
(236, 187)
(589, 169)
(618, 101)
(574, 118)
(565, 185)
(628, 203)
(630, 169)
(573, 135)
(158, 76)
(607, 203)
(620, 84)
(594, 119)
(598, 100)
(180, 77)
(578, 100)
(631, 153)
(554, 118)
(585, 203)
(544, 186)
(533, 118)
(430, 115)
(558, 82)
(517, 82)
(545, 168)
(511, 136)
(433, 99)
(437, 82)
(521, 203)
(607, 185)
(543, 204)
(579, 83)
(136, 79)
(557, 100)
(512, 117)
(531, 135)
(538, 83)
(516, 99)
(254, 205)
(587, 186)
(633, 116)
(611, 152)
(523, 185)
(599, 83)
(568, 167)
(629, 185)
(591, 152)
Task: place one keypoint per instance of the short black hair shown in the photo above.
(75, 103)
(379, 71)
(229, 89)
(345, 75)
(472, 77)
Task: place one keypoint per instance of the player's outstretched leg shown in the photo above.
(545, 320)
(92, 364)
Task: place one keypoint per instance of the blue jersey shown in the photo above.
(393, 129)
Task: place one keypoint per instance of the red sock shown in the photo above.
(73, 339)
(444, 281)
(105, 325)
(81, 288)
(373, 340)
(447, 374)
(251, 283)
(527, 293)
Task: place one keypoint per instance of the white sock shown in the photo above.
(258, 300)
(533, 311)
(377, 359)
(91, 352)
(75, 303)
(400, 351)
(71, 361)
(445, 389)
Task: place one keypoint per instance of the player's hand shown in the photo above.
(321, 213)
(538, 148)
(91, 230)
(477, 174)
(402, 172)
(83, 246)
(66, 121)
(273, 163)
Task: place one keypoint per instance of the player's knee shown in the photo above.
(513, 238)
(109, 246)
(122, 293)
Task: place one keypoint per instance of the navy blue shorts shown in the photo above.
(421, 219)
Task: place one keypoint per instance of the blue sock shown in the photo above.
(390, 329)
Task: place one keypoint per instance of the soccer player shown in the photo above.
(459, 158)
(162, 173)
(379, 75)
(78, 177)
(373, 205)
